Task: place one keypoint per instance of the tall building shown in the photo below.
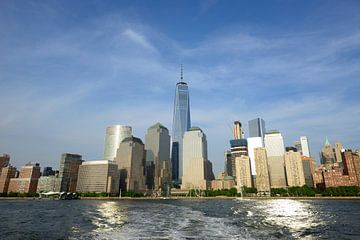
(243, 172)
(305, 150)
(257, 128)
(130, 159)
(99, 176)
(27, 180)
(238, 147)
(275, 150)
(228, 164)
(181, 123)
(309, 169)
(254, 142)
(157, 146)
(337, 149)
(327, 155)
(262, 171)
(68, 173)
(4, 161)
(197, 168)
(113, 137)
(297, 145)
(6, 174)
(294, 169)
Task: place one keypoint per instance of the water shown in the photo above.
(180, 219)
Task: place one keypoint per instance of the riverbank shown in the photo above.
(190, 198)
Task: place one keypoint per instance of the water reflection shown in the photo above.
(296, 216)
(109, 216)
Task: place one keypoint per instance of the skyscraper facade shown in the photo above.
(254, 142)
(157, 146)
(294, 169)
(275, 149)
(113, 137)
(262, 182)
(130, 159)
(4, 161)
(243, 172)
(257, 128)
(6, 174)
(27, 180)
(68, 173)
(181, 123)
(238, 147)
(327, 155)
(305, 146)
(337, 149)
(197, 168)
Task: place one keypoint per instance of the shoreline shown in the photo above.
(189, 198)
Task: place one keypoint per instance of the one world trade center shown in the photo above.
(181, 123)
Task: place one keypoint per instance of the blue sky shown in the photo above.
(68, 69)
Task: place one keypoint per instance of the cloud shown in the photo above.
(139, 39)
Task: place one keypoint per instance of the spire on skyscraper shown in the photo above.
(327, 141)
(181, 73)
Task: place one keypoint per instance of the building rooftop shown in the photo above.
(272, 132)
(133, 139)
(157, 126)
(98, 162)
(195, 129)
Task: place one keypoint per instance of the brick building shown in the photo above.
(27, 180)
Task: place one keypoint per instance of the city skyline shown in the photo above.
(61, 92)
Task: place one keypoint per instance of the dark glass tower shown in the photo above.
(257, 128)
(181, 123)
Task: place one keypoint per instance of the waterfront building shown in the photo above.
(238, 147)
(197, 169)
(130, 159)
(223, 181)
(254, 142)
(309, 168)
(48, 171)
(157, 146)
(243, 172)
(294, 169)
(257, 128)
(114, 135)
(305, 150)
(262, 182)
(49, 183)
(6, 174)
(275, 149)
(68, 173)
(228, 164)
(337, 150)
(297, 145)
(351, 165)
(27, 180)
(4, 161)
(327, 155)
(181, 123)
(98, 176)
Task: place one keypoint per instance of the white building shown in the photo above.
(274, 144)
(113, 137)
(197, 169)
(254, 142)
(305, 146)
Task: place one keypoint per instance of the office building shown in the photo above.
(305, 150)
(228, 163)
(257, 128)
(327, 155)
(238, 147)
(294, 169)
(113, 137)
(99, 176)
(254, 142)
(49, 183)
(275, 150)
(243, 172)
(27, 180)
(309, 169)
(68, 173)
(130, 159)
(6, 174)
(223, 181)
(157, 146)
(181, 123)
(297, 145)
(197, 169)
(48, 171)
(337, 150)
(4, 161)
(262, 182)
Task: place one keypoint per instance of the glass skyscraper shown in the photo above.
(257, 128)
(181, 123)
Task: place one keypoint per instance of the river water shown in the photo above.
(180, 219)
